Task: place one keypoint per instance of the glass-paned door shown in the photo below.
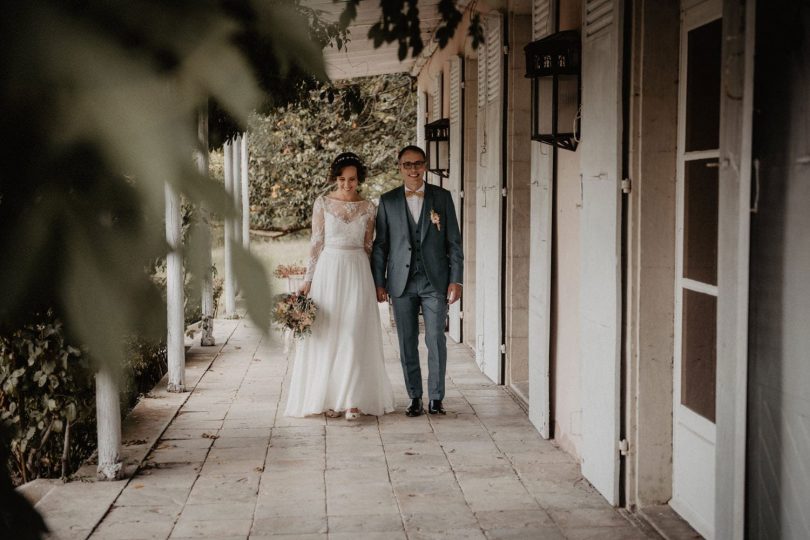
(695, 379)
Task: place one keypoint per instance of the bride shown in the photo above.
(339, 368)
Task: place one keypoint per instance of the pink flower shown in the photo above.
(436, 219)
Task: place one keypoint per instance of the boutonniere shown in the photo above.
(436, 219)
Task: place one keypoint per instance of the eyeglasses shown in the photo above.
(408, 165)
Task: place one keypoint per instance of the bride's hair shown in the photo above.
(344, 160)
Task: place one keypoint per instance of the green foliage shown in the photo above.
(99, 99)
(47, 394)
(266, 28)
(146, 364)
(99, 104)
(399, 21)
(291, 148)
(45, 385)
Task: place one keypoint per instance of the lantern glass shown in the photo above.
(567, 103)
(443, 155)
(543, 97)
(432, 154)
(437, 135)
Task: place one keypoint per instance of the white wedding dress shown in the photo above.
(340, 365)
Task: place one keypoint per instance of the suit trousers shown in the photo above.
(419, 292)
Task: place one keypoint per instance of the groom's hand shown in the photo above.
(453, 293)
(382, 296)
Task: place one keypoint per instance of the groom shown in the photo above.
(418, 261)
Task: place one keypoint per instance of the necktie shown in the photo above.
(409, 193)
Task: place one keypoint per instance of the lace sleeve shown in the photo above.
(371, 215)
(316, 242)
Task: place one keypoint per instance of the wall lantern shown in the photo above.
(437, 135)
(553, 64)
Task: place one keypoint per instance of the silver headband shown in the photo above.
(350, 157)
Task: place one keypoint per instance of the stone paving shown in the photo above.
(231, 466)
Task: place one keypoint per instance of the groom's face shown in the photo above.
(411, 167)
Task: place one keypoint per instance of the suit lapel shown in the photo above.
(403, 207)
(427, 206)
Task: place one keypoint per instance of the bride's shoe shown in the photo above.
(352, 414)
(331, 413)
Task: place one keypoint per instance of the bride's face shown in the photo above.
(347, 181)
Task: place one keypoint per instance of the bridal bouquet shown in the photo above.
(295, 312)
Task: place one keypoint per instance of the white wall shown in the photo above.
(651, 252)
(518, 206)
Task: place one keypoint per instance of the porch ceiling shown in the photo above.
(359, 58)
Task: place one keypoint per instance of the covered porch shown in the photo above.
(221, 461)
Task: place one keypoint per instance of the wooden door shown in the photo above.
(695, 356)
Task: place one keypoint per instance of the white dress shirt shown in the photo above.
(415, 203)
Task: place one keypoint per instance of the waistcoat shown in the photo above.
(415, 231)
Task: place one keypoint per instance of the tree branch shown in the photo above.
(277, 232)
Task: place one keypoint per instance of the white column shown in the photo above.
(237, 189)
(229, 292)
(108, 425)
(207, 337)
(245, 194)
(175, 344)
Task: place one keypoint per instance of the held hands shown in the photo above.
(453, 293)
(304, 289)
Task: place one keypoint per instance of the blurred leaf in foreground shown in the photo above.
(99, 104)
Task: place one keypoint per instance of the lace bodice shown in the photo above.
(340, 224)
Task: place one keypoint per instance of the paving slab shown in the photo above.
(364, 523)
(228, 464)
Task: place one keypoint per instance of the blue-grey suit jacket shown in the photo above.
(442, 253)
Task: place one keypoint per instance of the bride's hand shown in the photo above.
(304, 290)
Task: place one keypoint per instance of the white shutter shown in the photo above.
(480, 161)
(540, 233)
(494, 56)
(600, 226)
(542, 18)
(436, 106)
(540, 264)
(541, 192)
(454, 183)
(599, 16)
(421, 119)
(488, 218)
(543, 24)
(482, 75)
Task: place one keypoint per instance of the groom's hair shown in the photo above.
(411, 148)
(344, 160)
